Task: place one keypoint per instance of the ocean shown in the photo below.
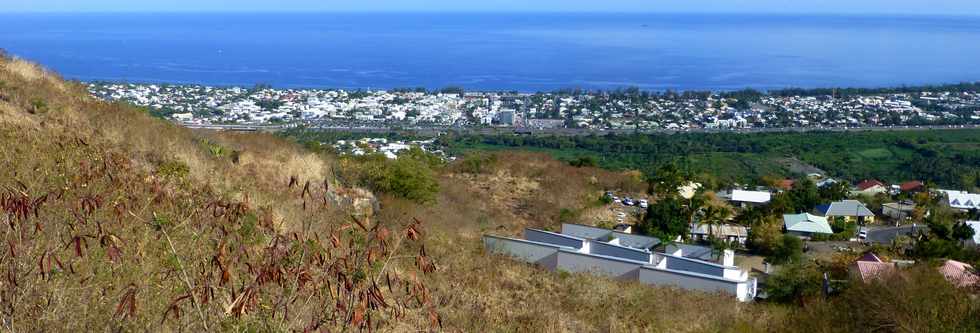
(519, 52)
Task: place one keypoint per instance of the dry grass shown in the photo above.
(491, 293)
(114, 221)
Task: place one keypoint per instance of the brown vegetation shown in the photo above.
(112, 220)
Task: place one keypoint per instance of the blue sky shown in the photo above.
(954, 7)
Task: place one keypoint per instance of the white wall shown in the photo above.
(654, 276)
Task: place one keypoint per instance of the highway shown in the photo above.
(435, 130)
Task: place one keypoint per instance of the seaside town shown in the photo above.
(613, 110)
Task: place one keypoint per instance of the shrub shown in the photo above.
(584, 161)
(478, 163)
(405, 177)
(795, 282)
(790, 250)
(173, 169)
(213, 148)
(915, 300)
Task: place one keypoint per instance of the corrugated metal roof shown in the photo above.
(846, 208)
(723, 230)
(869, 270)
(807, 223)
(751, 196)
(959, 274)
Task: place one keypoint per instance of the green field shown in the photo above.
(945, 157)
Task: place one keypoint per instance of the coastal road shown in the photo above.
(436, 130)
(887, 234)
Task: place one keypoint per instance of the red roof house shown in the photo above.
(870, 184)
(912, 186)
(959, 274)
(870, 267)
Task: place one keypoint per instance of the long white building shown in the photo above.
(623, 256)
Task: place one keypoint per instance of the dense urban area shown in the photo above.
(610, 110)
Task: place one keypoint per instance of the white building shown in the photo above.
(622, 256)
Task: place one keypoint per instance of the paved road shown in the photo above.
(435, 130)
(887, 234)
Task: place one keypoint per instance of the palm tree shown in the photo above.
(714, 216)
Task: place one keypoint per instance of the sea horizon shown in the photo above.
(505, 51)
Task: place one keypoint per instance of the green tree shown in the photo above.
(715, 216)
(804, 195)
(765, 236)
(962, 231)
(790, 250)
(796, 282)
(667, 218)
(666, 180)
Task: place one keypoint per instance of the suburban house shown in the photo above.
(962, 200)
(898, 211)
(870, 187)
(826, 182)
(870, 267)
(959, 274)
(727, 232)
(785, 184)
(806, 225)
(586, 249)
(912, 186)
(746, 199)
(850, 210)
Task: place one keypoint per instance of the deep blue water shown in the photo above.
(527, 52)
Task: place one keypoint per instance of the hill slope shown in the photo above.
(114, 220)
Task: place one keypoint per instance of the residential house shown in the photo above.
(914, 186)
(746, 199)
(899, 211)
(850, 210)
(870, 267)
(870, 188)
(826, 182)
(624, 257)
(959, 274)
(806, 225)
(785, 184)
(961, 200)
(728, 232)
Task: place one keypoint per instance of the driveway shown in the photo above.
(887, 234)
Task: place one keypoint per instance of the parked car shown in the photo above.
(628, 202)
(644, 203)
(863, 234)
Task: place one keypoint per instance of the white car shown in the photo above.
(644, 204)
(863, 234)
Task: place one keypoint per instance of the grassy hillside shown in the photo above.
(115, 221)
